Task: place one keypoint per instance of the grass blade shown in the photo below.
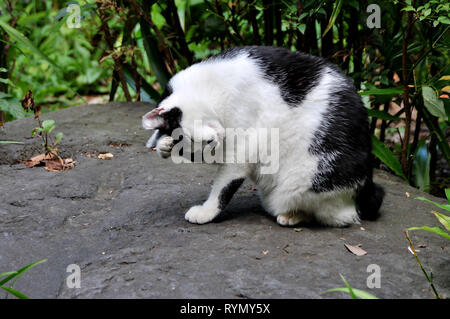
(443, 206)
(435, 230)
(14, 292)
(336, 9)
(349, 288)
(358, 293)
(21, 271)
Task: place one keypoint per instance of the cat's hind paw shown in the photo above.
(201, 214)
(289, 219)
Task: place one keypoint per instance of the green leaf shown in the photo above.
(157, 64)
(387, 91)
(302, 28)
(447, 194)
(36, 130)
(358, 293)
(23, 40)
(14, 292)
(336, 9)
(432, 102)
(444, 220)
(387, 157)
(443, 206)
(48, 125)
(3, 274)
(21, 271)
(349, 288)
(13, 107)
(435, 230)
(148, 93)
(58, 137)
(382, 115)
(10, 142)
(354, 293)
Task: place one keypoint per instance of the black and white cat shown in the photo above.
(324, 170)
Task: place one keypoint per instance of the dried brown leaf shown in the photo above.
(356, 250)
(105, 156)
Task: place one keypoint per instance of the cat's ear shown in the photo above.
(162, 118)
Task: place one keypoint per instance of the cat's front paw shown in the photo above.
(164, 146)
(201, 214)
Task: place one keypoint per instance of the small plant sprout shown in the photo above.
(53, 162)
(44, 129)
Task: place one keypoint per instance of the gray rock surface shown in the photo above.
(122, 221)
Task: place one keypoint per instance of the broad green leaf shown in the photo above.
(23, 40)
(447, 194)
(302, 28)
(13, 107)
(14, 292)
(383, 115)
(386, 91)
(336, 9)
(443, 206)
(48, 125)
(444, 220)
(387, 157)
(21, 271)
(357, 292)
(432, 102)
(435, 230)
(58, 137)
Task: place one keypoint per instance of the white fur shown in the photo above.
(232, 93)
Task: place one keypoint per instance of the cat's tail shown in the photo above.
(368, 200)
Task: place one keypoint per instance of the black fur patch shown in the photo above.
(342, 141)
(228, 191)
(294, 73)
(172, 120)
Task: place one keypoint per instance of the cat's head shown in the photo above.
(184, 110)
